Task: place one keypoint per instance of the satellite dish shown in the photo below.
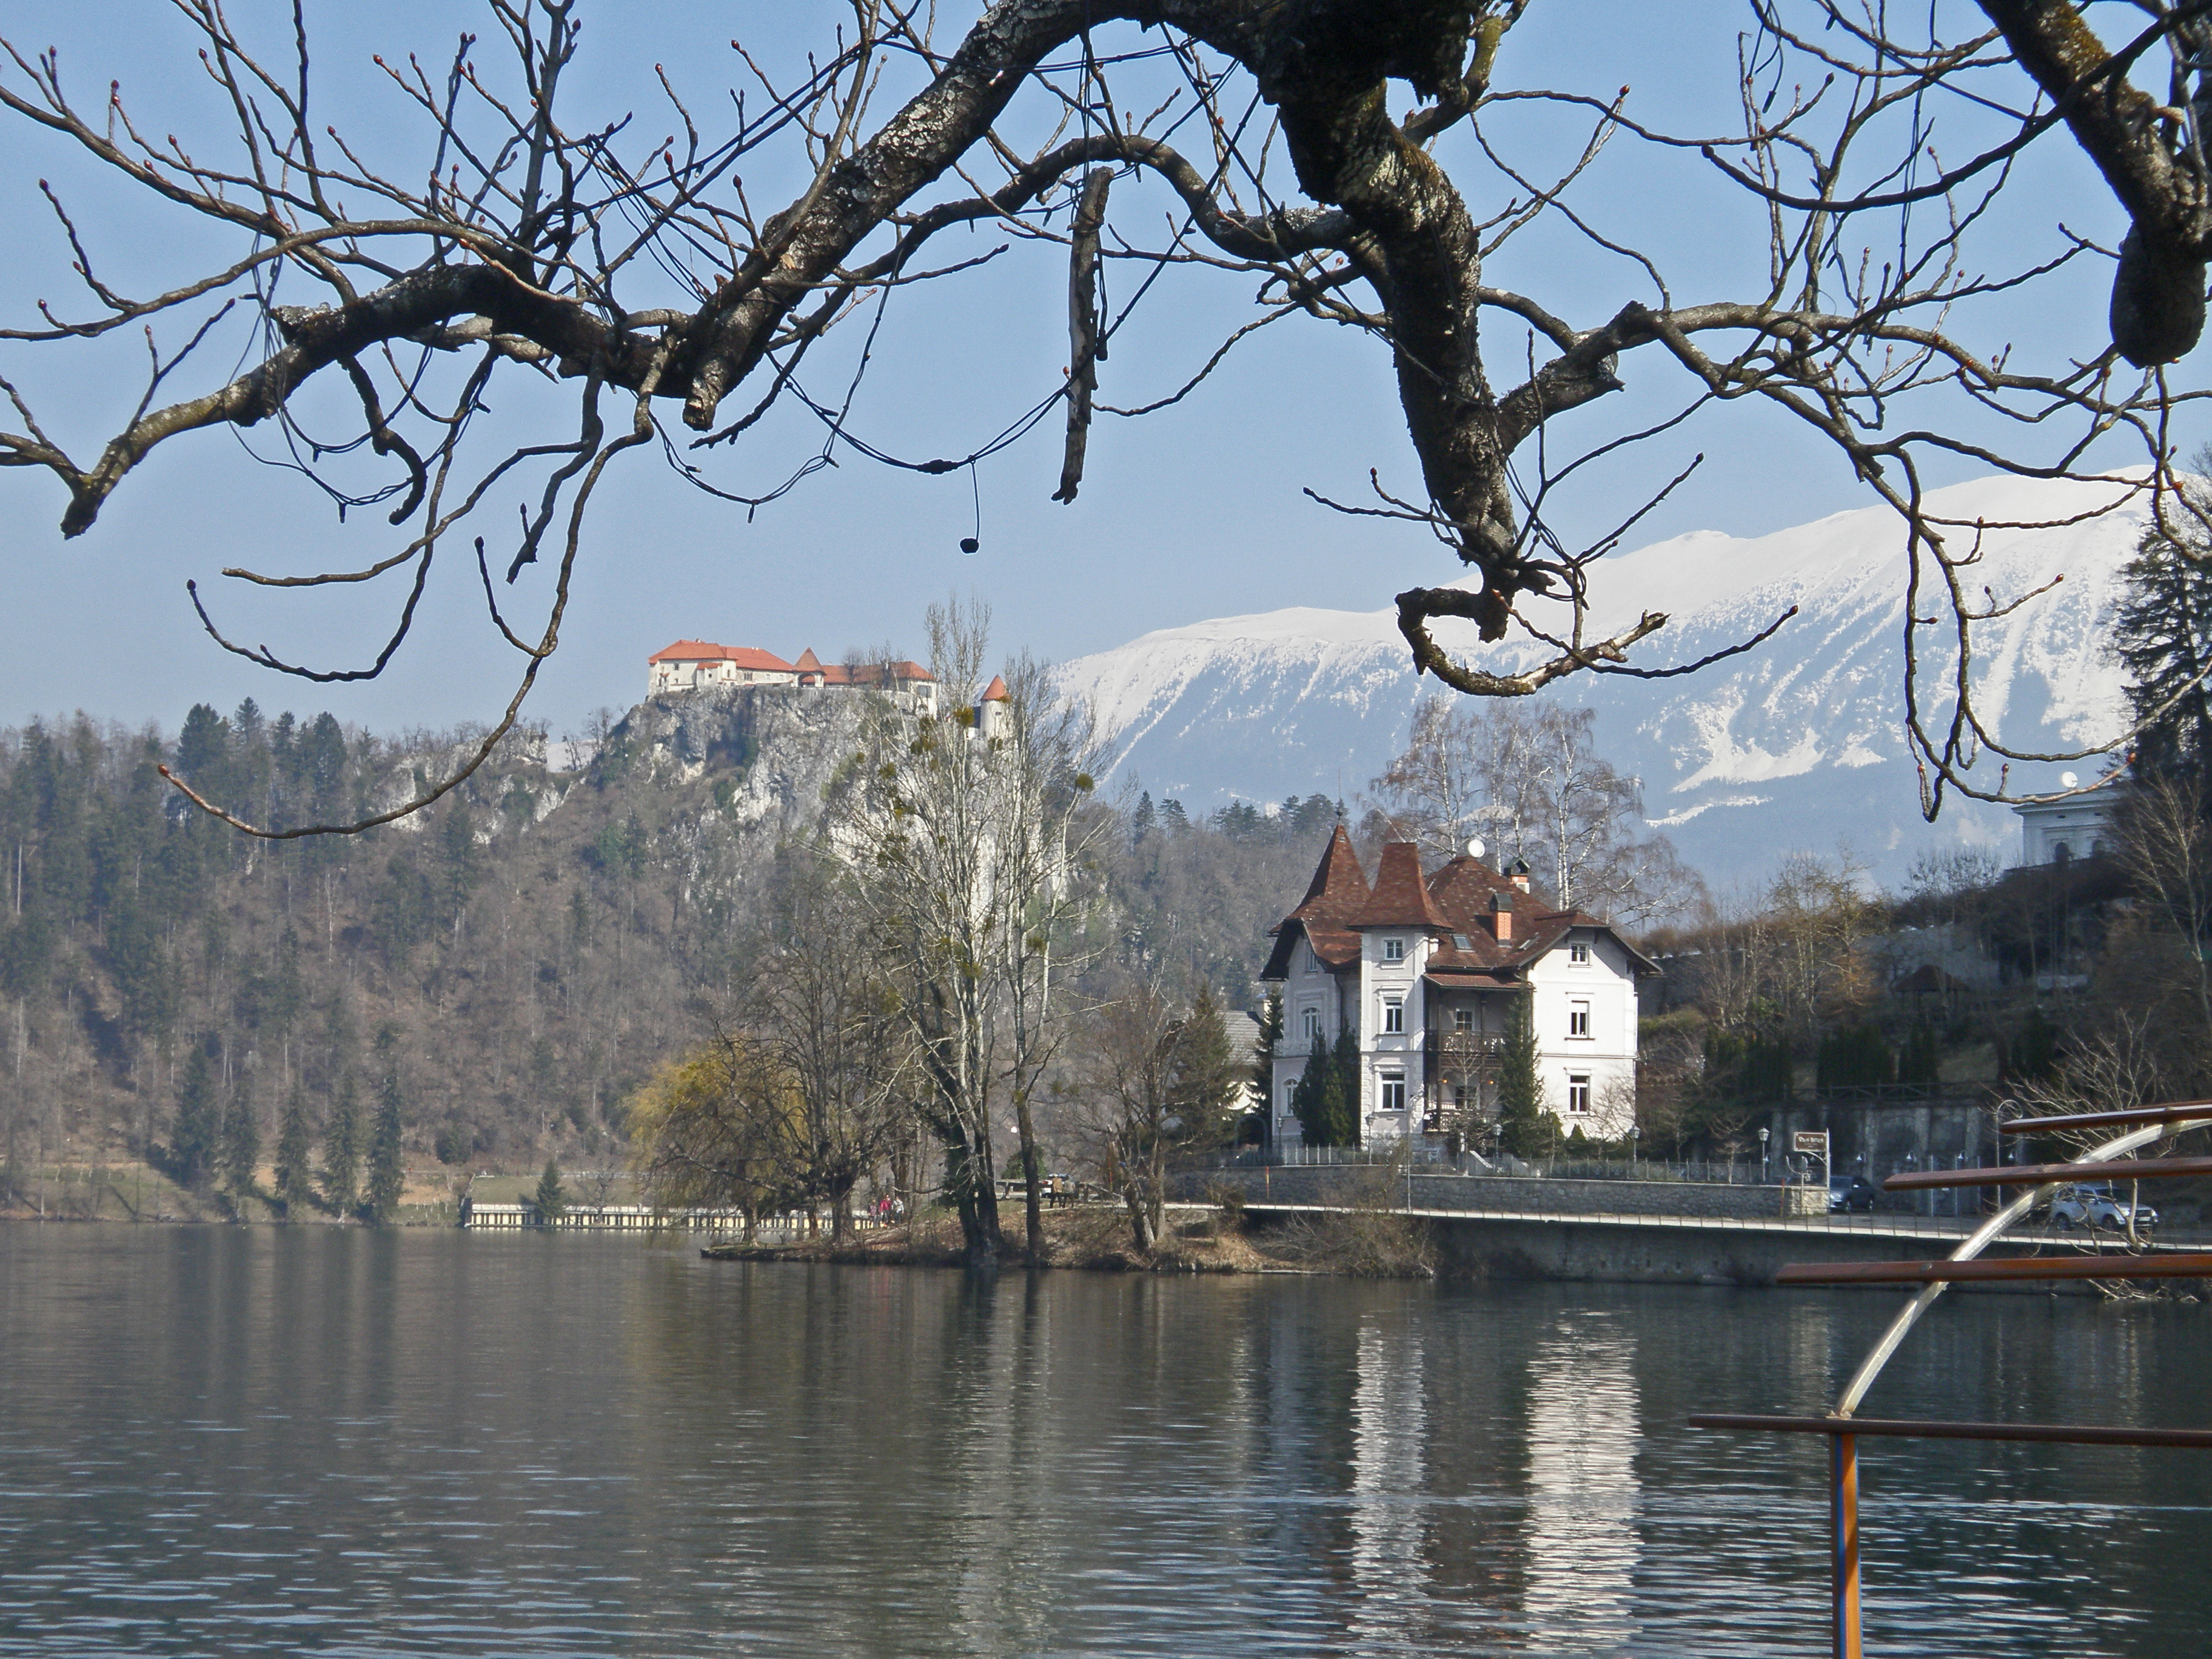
(1474, 848)
(2068, 781)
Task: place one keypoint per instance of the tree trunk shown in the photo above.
(1032, 1176)
(1139, 1222)
(1158, 1194)
(975, 1193)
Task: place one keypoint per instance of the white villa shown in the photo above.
(696, 665)
(1427, 970)
(2075, 826)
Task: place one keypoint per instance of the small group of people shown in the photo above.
(887, 1208)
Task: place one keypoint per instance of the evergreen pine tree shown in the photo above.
(1854, 1057)
(2162, 633)
(1919, 1064)
(1312, 1098)
(241, 1142)
(387, 1175)
(1326, 1098)
(2034, 1054)
(193, 1145)
(295, 1149)
(342, 1148)
(1343, 1121)
(550, 1198)
(1206, 1074)
(1522, 1129)
(1263, 1062)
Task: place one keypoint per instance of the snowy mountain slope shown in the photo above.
(1798, 744)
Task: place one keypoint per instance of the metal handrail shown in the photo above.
(2151, 1124)
(2039, 1175)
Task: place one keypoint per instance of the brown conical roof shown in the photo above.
(808, 662)
(1338, 884)
(996, 691)
(1400, 898)
(1333, 900)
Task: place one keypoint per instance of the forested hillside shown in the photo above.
(536, 943)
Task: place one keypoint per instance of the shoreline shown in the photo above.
(1199, 1239)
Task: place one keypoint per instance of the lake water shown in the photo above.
(217, 1441)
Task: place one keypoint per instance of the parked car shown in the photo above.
(1851, 1192)
(2093, 1204)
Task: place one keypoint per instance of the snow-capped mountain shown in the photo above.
(1798, 744)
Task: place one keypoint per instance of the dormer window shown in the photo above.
(1578, 954)
(1393, 949)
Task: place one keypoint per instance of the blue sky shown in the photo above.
(1193, 512)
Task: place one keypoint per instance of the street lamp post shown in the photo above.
(1634, 1130)
(1765, 1174)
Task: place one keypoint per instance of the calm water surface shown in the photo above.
(334, 1441)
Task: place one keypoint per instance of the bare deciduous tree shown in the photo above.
(964, 828)
(2166, 848)
(1152, 1079)
(376, 305)
(1529, 779)
(821, 1000)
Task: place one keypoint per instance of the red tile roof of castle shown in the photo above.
(745, 656)
(996, 690)
(869, 673)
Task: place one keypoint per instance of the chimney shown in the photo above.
(1501, 918)
(1519, 874)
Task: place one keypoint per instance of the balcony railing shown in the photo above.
(1469, 1048)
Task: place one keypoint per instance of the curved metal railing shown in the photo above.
(2142, 1127)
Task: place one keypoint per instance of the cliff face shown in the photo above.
(774, 749)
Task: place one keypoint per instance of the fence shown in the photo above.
(639, 1219)
(1433, 1152)
(1670, 1203)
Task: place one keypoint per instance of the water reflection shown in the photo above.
(217, 1441)
(1389, 1475)
(1583, 1442)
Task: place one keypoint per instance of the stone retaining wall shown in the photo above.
(1430, 1191)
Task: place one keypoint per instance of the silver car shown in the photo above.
(2095, 1205)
